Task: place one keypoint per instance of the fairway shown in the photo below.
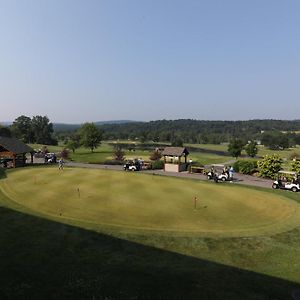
(147, 203)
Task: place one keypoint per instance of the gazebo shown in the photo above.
(173, 161)
(15, 150)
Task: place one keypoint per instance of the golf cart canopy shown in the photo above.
(288, 172)
(216, 165)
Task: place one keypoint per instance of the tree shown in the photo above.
(143, 137)
(4, 131)
(177, 142)
(275, 140)
(269, 166)
(22, 129)
(235, 147)
(42, 130)
(90, 136)
(73, 143)
(251, 148)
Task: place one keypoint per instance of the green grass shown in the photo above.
(47, 255)
(144, 203)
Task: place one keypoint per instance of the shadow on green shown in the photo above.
(42, 259)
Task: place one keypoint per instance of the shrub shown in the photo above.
(64, 153)
(155, 155)
(119, 154)
(245, 166)
(158, 164)
(269, 166)
(295, 164)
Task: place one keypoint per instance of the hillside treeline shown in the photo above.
(194, 131)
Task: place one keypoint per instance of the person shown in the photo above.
(61, 164)
(230, 172)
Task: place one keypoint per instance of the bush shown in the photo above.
(245, 166)
(64, 153)
(159, 164)
(295, 164)
(269, 166)
(155, 155)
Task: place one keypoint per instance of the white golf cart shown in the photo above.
(287, 181)
(218, 173)
(132, 165)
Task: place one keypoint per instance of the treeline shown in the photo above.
(37, 129)
(194, 131)
(275, 134)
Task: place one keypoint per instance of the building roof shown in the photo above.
(175, 151)
(14, 145)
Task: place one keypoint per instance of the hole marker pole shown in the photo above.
(195, 202)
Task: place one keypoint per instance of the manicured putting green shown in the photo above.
(140, 202)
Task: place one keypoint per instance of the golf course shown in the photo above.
(86, 223)
(137, 202)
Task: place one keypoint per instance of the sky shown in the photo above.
(78, 61)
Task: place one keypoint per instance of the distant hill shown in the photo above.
(5, 123)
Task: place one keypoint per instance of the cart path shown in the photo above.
(238, 178)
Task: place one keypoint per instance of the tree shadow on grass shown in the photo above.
(2, 173)
(42, 259)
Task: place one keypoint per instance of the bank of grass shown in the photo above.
(44, 259)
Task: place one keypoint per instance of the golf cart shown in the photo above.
(132, 165)
(287, 181)
(218, 173)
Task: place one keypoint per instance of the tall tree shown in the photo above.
(42, 130)
(90, 136)
(22, 129)
(235, 147)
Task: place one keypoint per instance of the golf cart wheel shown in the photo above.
(133, 169)
(223, 179)
(275, 186)
(294, 189)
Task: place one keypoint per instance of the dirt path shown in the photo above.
(238, 178)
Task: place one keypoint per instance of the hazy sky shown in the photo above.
(87, 60)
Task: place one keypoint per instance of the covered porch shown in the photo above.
(13, 152)
(175, 159)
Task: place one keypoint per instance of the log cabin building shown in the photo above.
(13, 151)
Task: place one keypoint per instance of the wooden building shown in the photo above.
(14, 151)
(175, 159)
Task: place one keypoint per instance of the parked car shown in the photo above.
(287, 181)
